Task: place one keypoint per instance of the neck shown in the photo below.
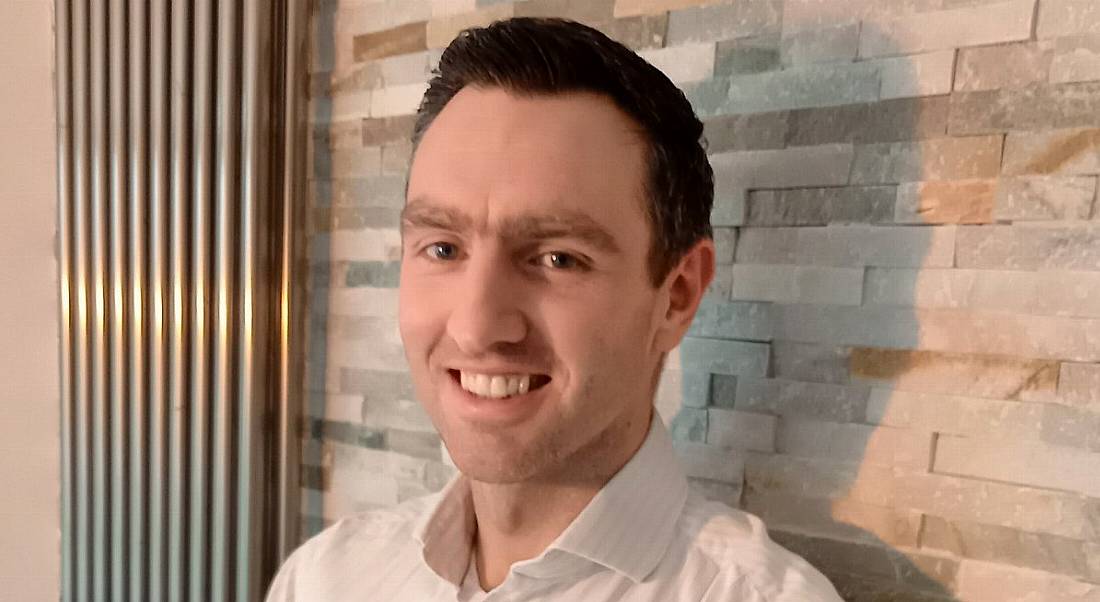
(518, 521)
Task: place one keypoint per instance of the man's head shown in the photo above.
(557, 230)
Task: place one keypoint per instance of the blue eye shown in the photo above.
(559, 260)
(446, 250)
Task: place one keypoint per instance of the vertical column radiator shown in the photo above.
(180, 172)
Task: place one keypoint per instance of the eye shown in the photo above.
(443, 251)
(560, 261)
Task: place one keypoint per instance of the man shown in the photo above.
(556, 245)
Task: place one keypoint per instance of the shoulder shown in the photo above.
(344, 547)
(749, 565)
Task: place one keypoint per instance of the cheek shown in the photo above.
(417, 315)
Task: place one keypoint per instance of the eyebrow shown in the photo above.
(422, 214)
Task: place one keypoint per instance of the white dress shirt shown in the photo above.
(644, 536)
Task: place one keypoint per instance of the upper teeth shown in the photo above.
(496, 386)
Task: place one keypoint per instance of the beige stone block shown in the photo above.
(995, 582)
(397, 100)
(685, 63)
(814, 14)
(926, 74)
(945, 202)
(410, 37)
(996, 377)
(351, 105)
(1041, 198)
(627, 8)
(355, 162)
(821, 478)
(1028, 509)
(637, 32)
(1068, 152)
(585, 11)
(1079, 384)
(970, 26)
(994, 333)
(955, 414)
(1067, 17)
(1004, 66)
(1030, 246)
(1052, 553)
(1022, 462)
(440, 31)
(443, 8)
(1076, 59)
(363, 301)
(343, 408)
(365, 245)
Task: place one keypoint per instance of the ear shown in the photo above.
(685, 286)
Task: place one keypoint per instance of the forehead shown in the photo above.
(494, 155)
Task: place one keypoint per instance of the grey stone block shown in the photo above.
(724, 357)
(834, 403)
(725, 243)
(745, 56)
(585, 11)
(827, 45)
(638, 32)
(383, 274)
(708, 96)
(724, 21)
(1005, 66)
(1036, 107)
(887, 121)
(805, 87)
(689, 424)
(800, 167)
(723, 390)
(732, 320)
(1005, 21)
(754, 131)
(820, 206)
(1076, 59)
(809, 362)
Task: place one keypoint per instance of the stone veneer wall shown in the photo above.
(897, 366)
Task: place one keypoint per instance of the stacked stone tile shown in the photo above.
(898, 365)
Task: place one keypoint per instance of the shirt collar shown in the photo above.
(626, 527)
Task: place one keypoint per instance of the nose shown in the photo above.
(487, 315)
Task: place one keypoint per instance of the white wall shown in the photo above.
(29, 393)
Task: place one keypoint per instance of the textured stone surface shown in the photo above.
(1067, 17)
(724, 357)
(808, 362)
(945, 202)
(732, 429)
(746, 132)
(744, 56)
(585, 11)
(1069, 152)
(887, 121)
(840, 519)
(1024, 292)
(440, 31)
(926, 74)
(626, 8)
(687, 63)
(1076, 59)
(1023, 462)
(836, 403)
(969, 26)
(638, 32)
(797, 284)
(723, 21)
(793, 167)
(820, 206)
(1010, 546)
(709, 462)
(1079, 384)
(936, 159)
(1044, 198)
(1005, 66)
(803, 87)
(828, 45)
(996, 377)
(1037, 107)
(402, 39)
(737, 320)
(995, 582)
(1030, 247)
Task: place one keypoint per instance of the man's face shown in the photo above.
(524, 258)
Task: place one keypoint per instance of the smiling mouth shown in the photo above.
(498, 386)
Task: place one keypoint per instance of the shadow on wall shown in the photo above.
(783, 397)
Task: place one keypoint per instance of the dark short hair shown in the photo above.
(535, 56)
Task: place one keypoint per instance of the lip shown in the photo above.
(500, 412)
